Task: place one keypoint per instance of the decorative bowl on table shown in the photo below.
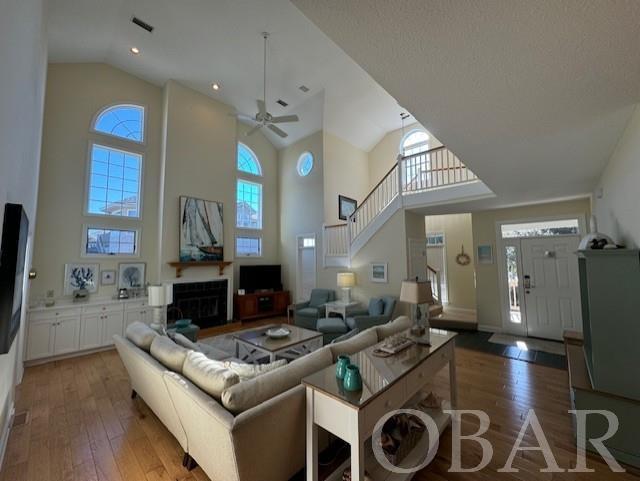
(278, 333)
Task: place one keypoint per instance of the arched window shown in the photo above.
(305, 164)
(124, 121)
(414, 142)
(248, 161)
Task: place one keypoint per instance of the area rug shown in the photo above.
(529, 344)
(224, 342)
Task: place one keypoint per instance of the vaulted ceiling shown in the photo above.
(532, 95)
(198, 42)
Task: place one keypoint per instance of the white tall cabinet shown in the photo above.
(71, 328)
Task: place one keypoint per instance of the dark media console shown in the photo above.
(247, 307)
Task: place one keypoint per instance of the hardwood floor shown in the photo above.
(83, 426)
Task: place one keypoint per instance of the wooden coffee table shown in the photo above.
(252, 344)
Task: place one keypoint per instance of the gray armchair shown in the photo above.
(380, 311)
(306, 314)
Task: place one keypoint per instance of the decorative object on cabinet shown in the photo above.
(201, 230)
(378, 272)
(159, 298)
(594, 239)
(80, 276)
(346, 280)
(108, 278)
(417, 293)
(463, 258)
(346, 207)
(484, 254)
(15, 231)
(131, 275)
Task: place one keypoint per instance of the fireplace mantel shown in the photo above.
(180, 266)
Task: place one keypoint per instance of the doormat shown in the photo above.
(529, 343)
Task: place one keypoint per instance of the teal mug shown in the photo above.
(341, 367)
(352, 380)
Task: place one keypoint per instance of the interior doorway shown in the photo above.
(437, 264)
(539, 276)
(306, 269)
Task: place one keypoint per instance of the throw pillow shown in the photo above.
(141, 335)
(209, 375)
(376, 306)
(169, 353)
(249, 371)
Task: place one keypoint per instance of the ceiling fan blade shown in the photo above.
(262, 109)
(278, 131)
(240, 115)
(254, 130)
(284, 118)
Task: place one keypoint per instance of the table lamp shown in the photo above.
(159, 298)
(346, 280)
(417, 293)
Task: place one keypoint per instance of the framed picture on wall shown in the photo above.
(202, 229)
(378, 272)
(346, 207)
(108, 278)
(485, 254)
(80, 276)
(131, 274)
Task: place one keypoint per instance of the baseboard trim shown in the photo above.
(489, 328)
(44, 360)
(6, 429)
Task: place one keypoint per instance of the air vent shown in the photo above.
(282, 102)
(142, 24)
(304, 88)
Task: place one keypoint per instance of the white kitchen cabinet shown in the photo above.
(91, 332)
(67, 336)
(54, 336)
(112, 324)
(136, 311)
(41, 335)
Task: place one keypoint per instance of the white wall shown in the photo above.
(23, 63)
(615, 201)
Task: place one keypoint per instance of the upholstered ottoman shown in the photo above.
(189, 331)
(331, 328)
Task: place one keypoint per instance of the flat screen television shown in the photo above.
(15, 231)
(262, 277)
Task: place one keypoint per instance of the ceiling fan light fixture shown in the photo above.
(215, 86)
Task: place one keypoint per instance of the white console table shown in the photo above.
(68, 328)
(388, 384)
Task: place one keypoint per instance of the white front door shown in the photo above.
(306, 269)
(551, 286)
(418, 259)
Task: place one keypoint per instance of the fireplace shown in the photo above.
(205, 303)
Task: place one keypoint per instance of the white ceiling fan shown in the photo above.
(263, 117)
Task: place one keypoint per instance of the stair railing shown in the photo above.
(336, 240)
(433, 168)
(434, 276)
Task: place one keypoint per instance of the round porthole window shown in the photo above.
(305, 164)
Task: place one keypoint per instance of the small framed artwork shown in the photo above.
(131, 274)
(378, 272)
(346, 207)
(485, 254)
(107, 278)
(80, 276)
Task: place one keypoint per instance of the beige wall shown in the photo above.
(384, 154)
(484, 232)
(615, 199)
(75, 94)
(301, 205)
(23, 60)
(200, 161)
(346, 172)
(460, 279)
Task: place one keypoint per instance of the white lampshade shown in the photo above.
(346, 279)
(160, 296)
(414, 292)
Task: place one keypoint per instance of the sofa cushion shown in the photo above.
(308, 311)
(348, 335)
(400, 324)
(376, 306)
(249, 371)
(357, 343)
(331, 325)
(209, 375)
(170, 354)
(141, 335)
(248, 394)
(389, 305)
(318, 297)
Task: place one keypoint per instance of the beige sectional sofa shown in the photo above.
(255, 429)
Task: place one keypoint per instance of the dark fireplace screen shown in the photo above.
(205, 303)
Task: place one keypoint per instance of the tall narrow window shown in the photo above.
(249, 205)
(248, 202)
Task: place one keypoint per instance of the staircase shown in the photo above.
(435, 176)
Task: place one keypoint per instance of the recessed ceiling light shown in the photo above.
(134, 50)
(215, 86)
